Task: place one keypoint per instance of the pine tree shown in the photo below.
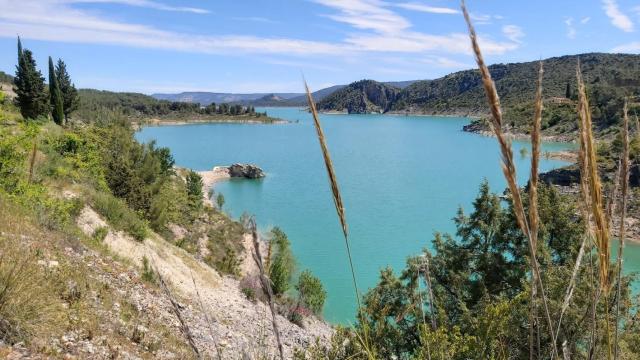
(30, 89)
(70, 99)
(55, 96)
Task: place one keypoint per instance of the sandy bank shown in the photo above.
(210, 177)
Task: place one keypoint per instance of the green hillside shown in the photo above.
(365, 96)
(97, 104)
(609, 78)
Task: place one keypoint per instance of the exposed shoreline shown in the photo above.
(175, 122)
(210, 178)
(520, 136)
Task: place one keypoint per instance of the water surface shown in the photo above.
(402, 178)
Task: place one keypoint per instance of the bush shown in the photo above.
(311, 292)
(120, 216)
(251, 287)
(283, 264)
(100, 233)
(249, 293)
(148, 274)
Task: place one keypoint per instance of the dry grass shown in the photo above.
(337, 200)
(624, 177)
(534, 217)
(600, 223)
(184, 327)
(509, 169)
(266, 284)
(26, 296)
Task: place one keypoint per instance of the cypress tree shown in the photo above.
(30, 89)
(70, 99)
(567, 93)
(19, 50)
(55, 96)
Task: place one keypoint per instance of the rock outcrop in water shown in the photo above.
(248, 171)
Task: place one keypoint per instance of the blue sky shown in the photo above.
(263, 46)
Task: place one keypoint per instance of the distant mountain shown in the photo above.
(301, 100)
(206, 98)
(364, 96)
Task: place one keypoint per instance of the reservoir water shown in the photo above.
(402, 178)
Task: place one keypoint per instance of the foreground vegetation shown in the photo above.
(529, 276)
(53, 171)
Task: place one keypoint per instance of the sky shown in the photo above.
(245, 46)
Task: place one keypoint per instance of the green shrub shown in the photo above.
(120, 216)
(249, 293)
(283, 263)
(311, 292)
(100, 233)
(148, 274)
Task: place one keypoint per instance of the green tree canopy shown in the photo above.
(311, 292)
(283, 264)
(31, 95)
(55, 96)
(70, 99)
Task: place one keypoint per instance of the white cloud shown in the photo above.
(143, 3)
(513, 33)
(378, 29)
(585, 20)
(444, 62)
(426, 8)
(571, 30)
(633, 47)
(394, 34)
(366, 15)
(618, 19)
(31, 19)
(255, 19)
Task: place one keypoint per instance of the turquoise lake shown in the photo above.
(402, 178)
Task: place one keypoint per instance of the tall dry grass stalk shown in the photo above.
(624, 177)
(337, 200)
(599, 220)
(265, 284)
(206, 316)
(612, 200)
(508, 168)
(601, 224)
(176, 309)
(534, 217)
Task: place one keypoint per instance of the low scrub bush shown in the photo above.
(120, 216)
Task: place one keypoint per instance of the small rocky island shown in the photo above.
(248, 171)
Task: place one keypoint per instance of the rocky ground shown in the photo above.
(219, 316)
(123, 314)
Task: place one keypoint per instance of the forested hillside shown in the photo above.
(609, 78)
(140, 107)
(361, 97)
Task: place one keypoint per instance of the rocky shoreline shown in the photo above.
(177, 122)
(219, 173)
(481, 130)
